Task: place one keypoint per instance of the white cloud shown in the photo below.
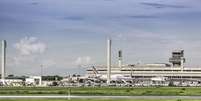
(30, 45)
(48, 63)
(83, 60)
(22, 60)
(27, 58)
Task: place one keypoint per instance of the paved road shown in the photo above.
(107, 97)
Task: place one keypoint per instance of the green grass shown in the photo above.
(170, 91)
(97, 100)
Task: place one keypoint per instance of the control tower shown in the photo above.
(120, 58)
(178, 59)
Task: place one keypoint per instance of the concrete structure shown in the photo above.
(3, 59)
(109, 43)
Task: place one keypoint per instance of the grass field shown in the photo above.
(96, 100)
(170, 91)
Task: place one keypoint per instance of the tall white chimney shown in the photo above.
(109, 43)
(3, 59)
(120, 58)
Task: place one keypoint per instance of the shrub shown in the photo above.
(127, 90)
(183, 89)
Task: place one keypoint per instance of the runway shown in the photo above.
(99, 97)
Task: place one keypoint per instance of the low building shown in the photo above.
(33, 81)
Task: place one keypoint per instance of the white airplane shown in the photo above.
(113, 77)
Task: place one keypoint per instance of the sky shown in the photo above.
(65, 36)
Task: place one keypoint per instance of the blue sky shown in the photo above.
(64, 34)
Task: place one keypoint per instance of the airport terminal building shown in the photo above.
(174, 70)
(164, 73)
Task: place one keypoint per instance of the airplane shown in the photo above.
(113, 77)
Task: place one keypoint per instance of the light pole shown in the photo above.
(69, 91)
(41, 70)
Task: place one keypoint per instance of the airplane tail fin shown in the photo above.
(94, 70)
